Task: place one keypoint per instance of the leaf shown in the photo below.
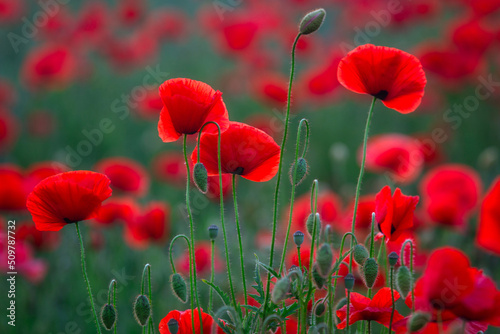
(259, 287)
(268, 268)
(288, 310)
(251, 307)
(222, 294)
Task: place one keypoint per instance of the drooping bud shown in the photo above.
(310, 224)
(360, 254)
(179, 287)
(393, 258)
(320, 309)
(370, 272)
(324, 259)
(349, 281)
(403, 281)
(318, 281)
(142, 310)
(418, 321)
(213, 231)
(200, 176)
(300, 173)
(280, 290)
(312, 21)
(173, 326)
(298, 238)
(108, 316)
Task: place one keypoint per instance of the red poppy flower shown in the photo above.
(305, 256)
(187, 105)
(40, 171)
(184, 322)
(394, 213)
(213, 186)
(389, 74)
(321, 81)
(450, 194)
(363, 223)
(152, 223)
(11, 10)
(150, 106)
(399, 155)
(92, 23)
(130, 12)
(9, 130)
(12, 188)
(269, 124)
(377, 309)
(473, 36)
(126, 175)
(271, 88)
(170, 167)
(116, 209)
(67, 198)
(202, 255)
(488, 233)
(245, 151)
(168, 23)
(40, 240)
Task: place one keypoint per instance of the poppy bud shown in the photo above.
(370, 272)
(310, 224)
(329, 233)
(360, 254)
(393, 258)
(312, 21)
(142, 310)
(179, 287)
(320, 309)
(403, 280)
(173, 326)
(213, 230)
(324, 259)
(108, 316)
(317, 279)
(280, 290)
(298, 238)
(200, 176)
(341, 303)
(300, 173)
(349, 281)
(418, 321)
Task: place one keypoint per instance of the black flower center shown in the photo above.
(238, 171)
(68, 221)
(382, 95)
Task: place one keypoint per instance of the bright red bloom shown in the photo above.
(185, 322)
(363, 223)
(152, 223)
(271, 88)
(12, 189)
(187, 105)
(150, 106)
(377, 309)
(67, 198)
(202, 255)
(389, 74)
(213, 185)
(473, 37)
(117, 209)
(245, 151)
(40, 171)
(450, 194)
(126, 175)
(394, 213)
(488, 233)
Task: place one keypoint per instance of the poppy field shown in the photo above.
(250, 166)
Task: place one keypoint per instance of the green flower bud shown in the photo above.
(349, 281)
(360, 254)
(108, 316)
(142, 310)
(300, 173)
(324, 259)
(310, 224)
(318, 281)
(320, 309)
(393, 258)
(329, 233)
(173, 326)
(312, 21)
(418, 321)
(298, 238)
(179, 287)
(280, 290)
(341, 303)
(213, 231)
(403, 281)
(370, 272)
(200, 176)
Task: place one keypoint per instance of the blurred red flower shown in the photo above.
(150, 106)
(67, 198)
(126, 175)
(363, 223)
(245, 151)
(92, 24)
(9, 130)
(170, 167)
(168, 23)
(271, 88)
(151, 224)
(472, 36)
(11, 11)
(130, 12)
(40, 171)
(40, 240)
(488, 233)
(116, 209)
(184, 322)
(389, 74)
(12, 189)
(202, 255)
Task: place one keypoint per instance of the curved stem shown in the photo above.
(242, 262)
(341, 253)
(86, 278)
(212, 269)
(111, 290)
(172, 245)
(411, 270)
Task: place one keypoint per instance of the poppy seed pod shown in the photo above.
(324, 259)
(349, 281)
(179, 287)
(200, 176)
(393, 258)
(403, 280)
(142, 310)
(370, 272)
(173, 326)
(310, 224)
(418, 321)
(280, 290)
(213, 231)
(312, 21)
(300, 173)
(360, 254)
(317, 279)
(108, 316)
(298, 238)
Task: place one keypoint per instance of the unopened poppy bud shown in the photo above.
(324, 259)
(370, 272)
(173, 326)
(108, 316)
(300, 169)
(403, 281)
(317, 279)
(349, 281)
(213, 231)
(200, 176)
(298, 238)
(312, 21)
(142, 310)
(280, 290)
(329, 233)
(320, 309)
(360, 254)
(341, 303)
(393, 258)
(310, 224)
(179, 287)
(418, 321)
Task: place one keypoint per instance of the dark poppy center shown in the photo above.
(238, 170)
(68, 221)
(393, 229)
(382, 95)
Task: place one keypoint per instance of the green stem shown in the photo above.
(369, 327)
(393, 302)
(85, 276)
(411, 270)
(114, 302)
(242, 262)
(341, 254)
(212, 256)
(347, 329)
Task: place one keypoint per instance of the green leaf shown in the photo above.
(268, 268)
(222, 294)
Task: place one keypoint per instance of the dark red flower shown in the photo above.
(488, 233)
(389, 74)
(67, 198)
(394, 213)
(152, 223)
(377, 309)
(185, 322)
(126, 175)
(12, 188)
(187, 105)
(245, 151)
